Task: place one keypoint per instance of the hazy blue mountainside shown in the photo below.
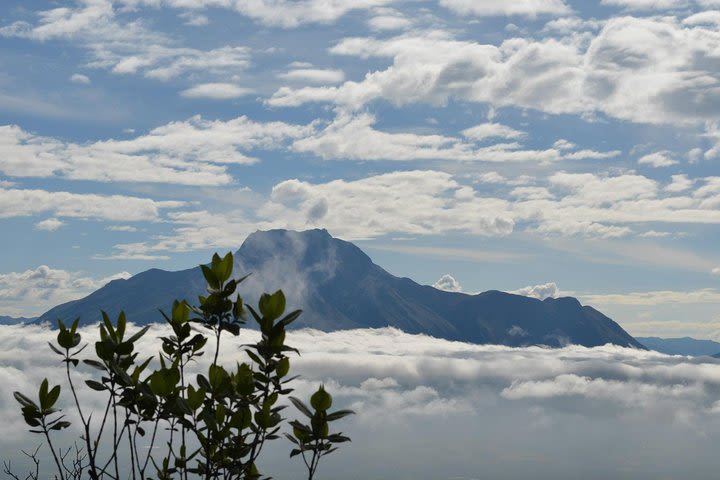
(338, 287)
(681, 346)
(14, 320)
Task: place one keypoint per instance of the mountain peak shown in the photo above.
(339, 287)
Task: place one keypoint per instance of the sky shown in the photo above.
(545, 147)
(431, 409)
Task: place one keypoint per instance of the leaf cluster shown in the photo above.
(215, 426)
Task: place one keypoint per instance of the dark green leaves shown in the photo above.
(321, 400)
(227, 415)
(315, 439)
(272, 306)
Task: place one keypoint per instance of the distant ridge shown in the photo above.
(681, 346)
(339, 287)
(4, 320)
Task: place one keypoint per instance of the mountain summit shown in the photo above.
(339, 287)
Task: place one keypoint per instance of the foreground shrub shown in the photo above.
(213, 427)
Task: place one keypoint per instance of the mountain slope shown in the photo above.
(338, 287)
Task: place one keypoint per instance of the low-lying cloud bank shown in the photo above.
(435, 409)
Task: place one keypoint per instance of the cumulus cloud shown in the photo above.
(386, 19)
(658, 159)
(647, 4)
(448, 283)
(427, 202)
(314, 75)
(24, 202)
(492, 130)
(127, 46)
(216, 91)
(80, 78)
(493, 8)
(680, 183)
(354, 137)
(34, 291)
(522, 409)
(546, 290)
(49, 225)
(191, 152)
(573, 75)
(121, 228)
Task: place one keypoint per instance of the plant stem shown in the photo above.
(52, 449)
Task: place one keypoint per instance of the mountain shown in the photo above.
(681, 346)
(339, 287)
(14, 320)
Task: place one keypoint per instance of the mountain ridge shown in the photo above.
(339, 287)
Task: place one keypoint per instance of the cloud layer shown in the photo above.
(431, 409)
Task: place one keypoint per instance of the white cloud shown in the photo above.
(314, 75)
(647, 4)
(715, 271)
(671, 64)
(703, 18)
(34, 291)
(49, 225)
(291, 14)
(388, 19)
(121, 228)
(546, 290)
(654, 234)
(194, 19)
(492, 8)
(354, 137)
(448, 283)
(25, 202)
(528, 407)
(79, 78)
(128, 47)
(492, 130)
(707, 295)
(680, 183)
(191, 152)
(427, 202)
(658, 159)
(216, 91)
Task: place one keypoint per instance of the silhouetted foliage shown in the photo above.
(216, 427)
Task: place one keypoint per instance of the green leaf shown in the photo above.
(338, 415)
(121, 324)
(60, 425)
(24, 401)
(125, 348)
(97, 386)
(53, 396)
(43, 394)
(289, 318)
(222, 268)
(108, 326)
(137, 335)
(95, 364)
(104, 350)
(301, 406)
(321, 400)
(283, 367)
(210, 277)
(55, 349)
(272, 306)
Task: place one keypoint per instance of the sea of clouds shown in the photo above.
(434, 409)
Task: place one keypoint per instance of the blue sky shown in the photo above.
(548, 147)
